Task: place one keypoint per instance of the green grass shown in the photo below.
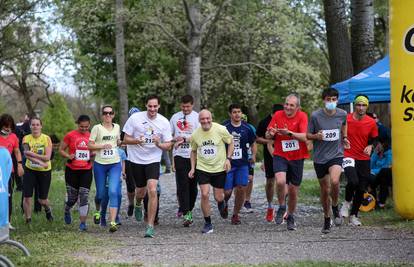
(52, 244)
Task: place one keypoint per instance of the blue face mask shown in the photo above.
(330, 105)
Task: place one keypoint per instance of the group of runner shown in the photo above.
(204, 153)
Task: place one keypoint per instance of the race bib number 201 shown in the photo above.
(290, 145)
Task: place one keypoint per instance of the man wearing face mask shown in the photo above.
(328, 129)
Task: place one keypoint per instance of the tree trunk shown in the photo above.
(362, 34)
(339, 47)
(193, 60)
(120, 62)
(26, 96)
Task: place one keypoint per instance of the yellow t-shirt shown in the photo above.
(37, 145)
(210, 147)
(100, 135)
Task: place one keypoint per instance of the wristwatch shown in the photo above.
(290, 134)
(229, 158)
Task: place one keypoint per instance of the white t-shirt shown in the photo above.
(184, 126)
(141, 127)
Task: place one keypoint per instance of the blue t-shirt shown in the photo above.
(122, 154)
(243, 138)
(6, 166)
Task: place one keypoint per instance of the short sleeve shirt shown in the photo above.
(184, 125)
(285, 146)
(359, 132)
(10, 143)
(38, 145)
(331, 146)
(139, 126)
(78, 145)
(100, 135)
(243, 138)
(210, 147)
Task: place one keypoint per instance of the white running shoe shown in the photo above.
(345, 209)
(354, 221)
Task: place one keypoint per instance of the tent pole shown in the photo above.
(351, 107)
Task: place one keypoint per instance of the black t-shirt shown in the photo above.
(261, 132)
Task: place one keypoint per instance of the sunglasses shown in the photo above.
(107, 113)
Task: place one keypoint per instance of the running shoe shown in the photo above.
(354, 221)
(207, 229)
(11, 227)
(67, 217)
(113, 227)
(49, 215)
(270, 214)
(179, 213)
(149, 231)
(235, 219)
(248, 207)
(224, 210)
(28, 220)
(103, 222)
(279, 215)
(327, 226)
(83, 227)
(118, 220)
(138, 213)
(96, 217)
(338, 220)
(130, 211)
(291, 225)
(188, 219)
(345, 209)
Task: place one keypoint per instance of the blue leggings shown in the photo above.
(105, 200)
(112, 172)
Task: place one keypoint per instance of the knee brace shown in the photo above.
(83, 201)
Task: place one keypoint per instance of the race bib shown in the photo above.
(348, 162)
(237, 153)
(290, 145)
(82, 155)
(330, 135)
(107, 153)
(208, 152)
(183, 147)
(148, 140)
(34, 164)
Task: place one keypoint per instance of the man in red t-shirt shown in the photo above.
(78, 172)
(288, 129)
(362, 132)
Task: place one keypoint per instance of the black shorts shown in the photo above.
(268, 164)
(359, 174)
(78, 178)
(322, 169)
(34, 178)
(129, 179)
(143, 172)
(293, 169)
(217, 180)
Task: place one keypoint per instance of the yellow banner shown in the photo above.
(402, 104)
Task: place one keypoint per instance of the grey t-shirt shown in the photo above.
(331, 146)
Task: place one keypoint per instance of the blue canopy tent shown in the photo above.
(373, 82)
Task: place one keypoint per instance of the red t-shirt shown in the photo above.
(359, 131)
(78, 145)
(286, 146)
(10, 142)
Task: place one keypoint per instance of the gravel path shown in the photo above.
(253, 242)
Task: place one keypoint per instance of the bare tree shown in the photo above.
(362, 34)
(339, 47)
(120, 61)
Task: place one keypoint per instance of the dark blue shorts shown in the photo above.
(293, 169)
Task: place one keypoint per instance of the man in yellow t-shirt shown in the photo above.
(210, 160)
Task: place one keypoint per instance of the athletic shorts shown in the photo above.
(269, 168)
(34, 178)
(143, 172)
(293, 169)
(216, 180)
(237, 176)
(322, 169)
(78, 178)
(129, 179)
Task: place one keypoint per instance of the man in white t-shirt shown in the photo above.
(183, 124)
(147, 134)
